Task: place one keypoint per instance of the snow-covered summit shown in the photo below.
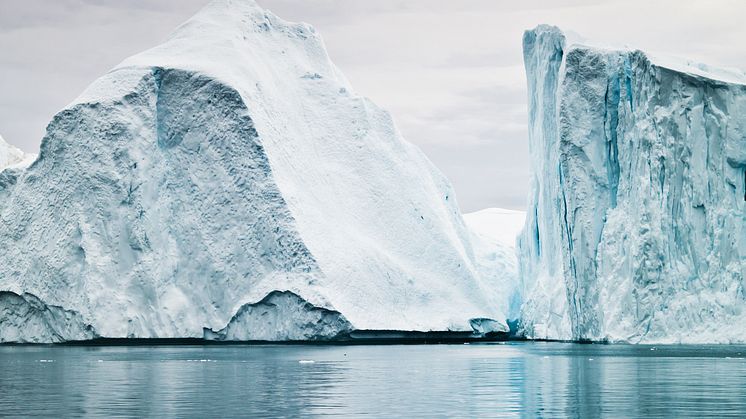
(228, 177)
(235, 41)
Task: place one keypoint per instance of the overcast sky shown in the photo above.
(450, 72)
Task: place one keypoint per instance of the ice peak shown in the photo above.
(235, 41)
(233, 7)
(237, 17)
(543, 28)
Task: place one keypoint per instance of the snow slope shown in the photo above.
(493, 235)
(232, 162)
(498, 224)
(635, 225)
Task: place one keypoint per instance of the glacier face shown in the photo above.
(635, 224)
(227, 164)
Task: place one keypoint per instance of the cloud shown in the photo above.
(450, 72)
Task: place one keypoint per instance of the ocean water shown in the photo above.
(522, 379)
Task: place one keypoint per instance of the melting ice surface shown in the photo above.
(510, 380)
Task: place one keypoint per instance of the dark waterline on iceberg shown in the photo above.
(529, 379)
(355, 337)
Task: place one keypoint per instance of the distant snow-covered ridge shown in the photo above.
(494, 232)
(12, 157)
(635, 225)
(230, 184)
(12, 162)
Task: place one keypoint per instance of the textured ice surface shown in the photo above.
(232, 161)
(635, 224)
(282, 316)
(493, 235)
(26, 319)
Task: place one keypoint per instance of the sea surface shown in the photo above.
(519, 379)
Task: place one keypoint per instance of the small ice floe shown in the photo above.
(546, 356)
(306, 361)
(100, 360)
(590, 359)
(652, 349)
(46, 360)
(466, 343)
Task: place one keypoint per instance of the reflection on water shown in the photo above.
(516, 379)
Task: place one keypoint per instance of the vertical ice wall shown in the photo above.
(635, 223)
(540, 264)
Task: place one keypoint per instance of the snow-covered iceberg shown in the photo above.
(12, 161)
(493, 235)
(12, 157)
(196, 183)
(635, 225)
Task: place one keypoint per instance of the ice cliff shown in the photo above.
(635, 227)
(231, 182)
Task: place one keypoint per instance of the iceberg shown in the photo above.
(12, 162)
(230, 184)
(12, 157)
(493, 235)
(635, 224)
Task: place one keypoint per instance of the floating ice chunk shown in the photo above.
(282, 316)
